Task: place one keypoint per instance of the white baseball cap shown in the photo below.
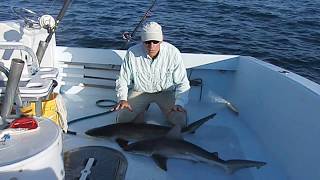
(151, 31)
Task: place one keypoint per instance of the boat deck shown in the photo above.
(225, 133)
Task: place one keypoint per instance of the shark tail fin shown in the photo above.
(233, 165)
(195, 125)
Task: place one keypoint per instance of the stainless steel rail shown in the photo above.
(33, 65)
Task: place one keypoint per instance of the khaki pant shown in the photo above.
(140, 100)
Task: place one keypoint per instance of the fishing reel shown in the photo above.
(126, 36)
(47, 22)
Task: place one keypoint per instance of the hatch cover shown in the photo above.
(94, 163)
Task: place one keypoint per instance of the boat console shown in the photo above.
(24, 152)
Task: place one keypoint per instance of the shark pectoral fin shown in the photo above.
(174, 133)
(161, 161)
(122, 143)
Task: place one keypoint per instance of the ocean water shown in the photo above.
(283, 32)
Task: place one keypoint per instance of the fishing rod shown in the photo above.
(127, 35)
(43, 45)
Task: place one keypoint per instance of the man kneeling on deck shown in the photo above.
(156, 71)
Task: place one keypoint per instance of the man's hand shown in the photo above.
(178, 108)
(123, 104)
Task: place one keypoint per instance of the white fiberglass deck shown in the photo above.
(225, 134)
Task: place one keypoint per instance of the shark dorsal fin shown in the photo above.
(175, 132)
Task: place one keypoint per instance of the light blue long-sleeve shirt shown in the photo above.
(165, 72)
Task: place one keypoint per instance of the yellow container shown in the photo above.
(48, 108)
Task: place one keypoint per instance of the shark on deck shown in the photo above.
(139, 131)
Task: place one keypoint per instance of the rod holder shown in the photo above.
(11, 88)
